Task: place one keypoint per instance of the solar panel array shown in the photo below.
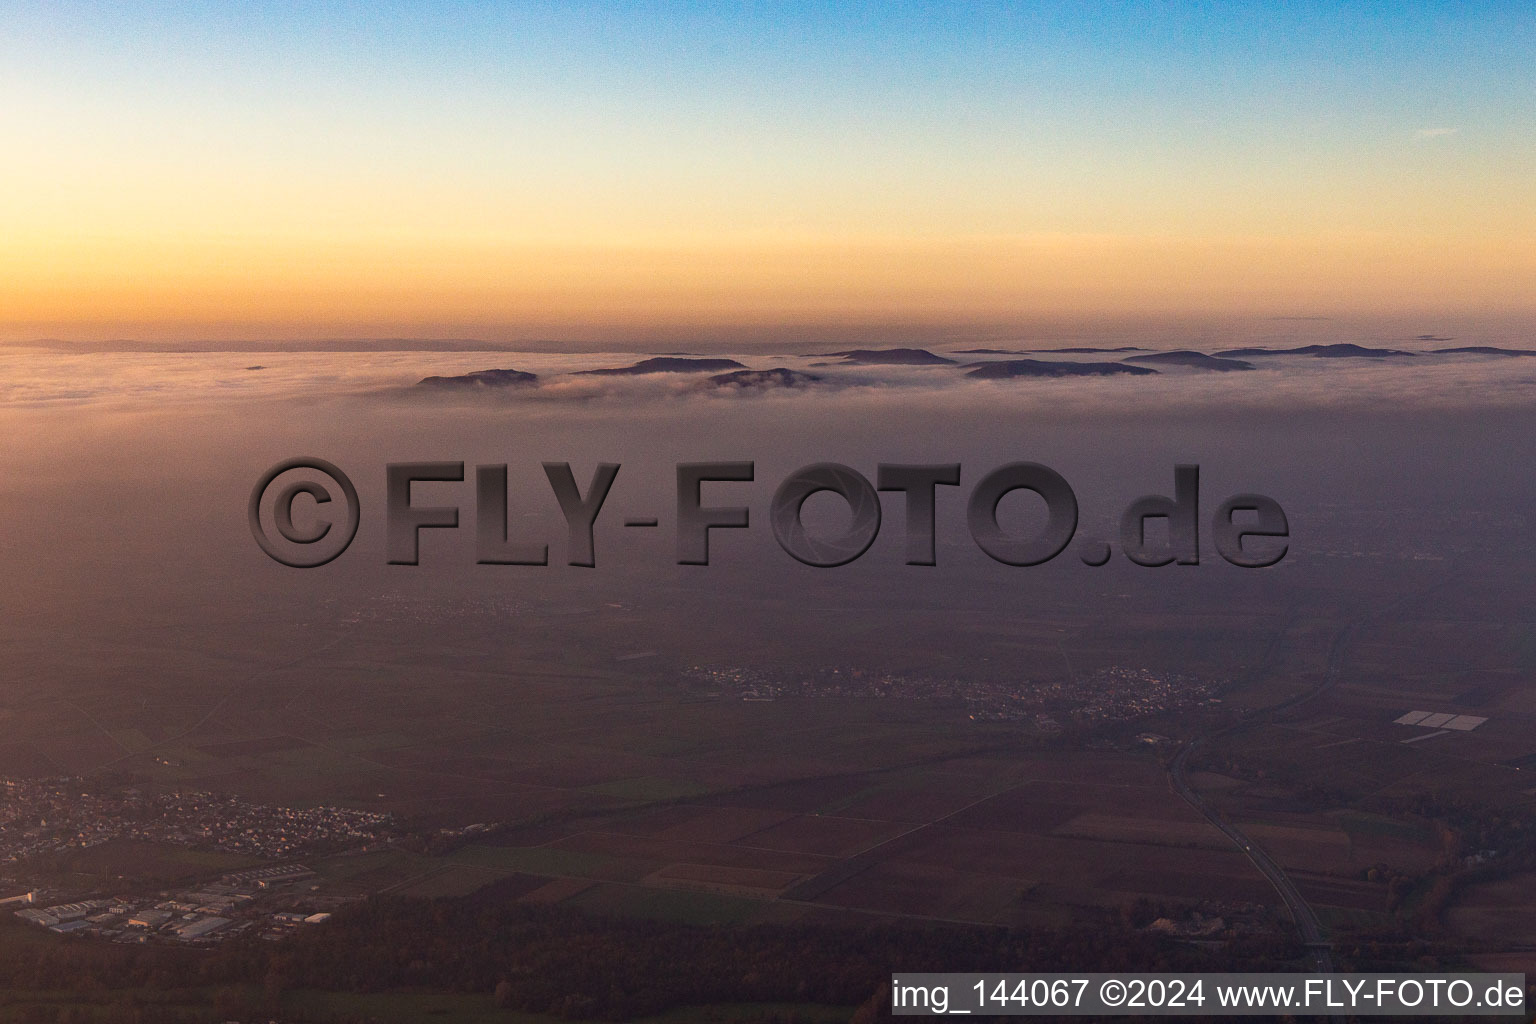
(1441, 720)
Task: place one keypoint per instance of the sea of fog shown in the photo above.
(56, 376)
(125, 478)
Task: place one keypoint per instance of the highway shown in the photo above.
(1305, 918)
(1301, 912)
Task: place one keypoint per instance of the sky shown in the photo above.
(563, 170)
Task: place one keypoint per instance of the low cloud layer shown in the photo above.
(1288, 379)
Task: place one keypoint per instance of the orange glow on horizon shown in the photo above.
(296, 289)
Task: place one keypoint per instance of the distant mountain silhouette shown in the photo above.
(667, 364)
(1041, 351)
(1199, 360)
(481, 379)
(1008, 368)
(891, 357)
(778, 377)
(1486, 350)
(1320, 351)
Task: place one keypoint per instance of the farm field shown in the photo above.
(1499, 909)
(965, 840)
(147, 862)
(608, 783)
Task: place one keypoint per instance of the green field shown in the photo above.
(145, 861)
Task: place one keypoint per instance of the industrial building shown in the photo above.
(189, 931)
